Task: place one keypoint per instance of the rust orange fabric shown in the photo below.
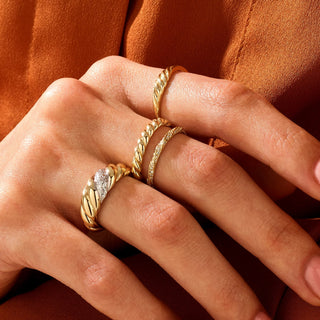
(273, 47)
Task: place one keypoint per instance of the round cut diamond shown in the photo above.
(101, 179)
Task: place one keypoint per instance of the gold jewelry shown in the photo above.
(96, 190)
(157, 152)
(142, 144)
(160, 85)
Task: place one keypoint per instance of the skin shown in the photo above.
(77, 126)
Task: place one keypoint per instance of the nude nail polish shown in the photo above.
(262, 316)
(312, 275)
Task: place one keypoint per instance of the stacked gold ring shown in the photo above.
(160, 85)
(99, 185)
(158, 90)
(95, 191)
(158, 150)
(142, 144)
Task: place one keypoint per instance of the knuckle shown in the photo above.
(61, 97)
(63, 88)
(110, 67)
(235, 91)
(230, 300)
(278, 236)
(164, 222)
(224, 93)
(223, 100)
(39, 145)
(204, 166)
(102, 279)
(292, 138)
(36, 146)
(32, 146)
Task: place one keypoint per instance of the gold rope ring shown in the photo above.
(142, 145)
(95, 191)
(160, 85)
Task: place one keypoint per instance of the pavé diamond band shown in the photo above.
(96, 190)
(157, 152)
(160, 85)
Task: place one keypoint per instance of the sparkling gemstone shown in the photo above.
(101, 179)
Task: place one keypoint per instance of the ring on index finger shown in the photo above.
(160, 85)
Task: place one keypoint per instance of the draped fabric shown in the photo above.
(270, 46)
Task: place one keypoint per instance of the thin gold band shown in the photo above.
(95, 191)
(160, 85)
(142, 145)
(157, 152)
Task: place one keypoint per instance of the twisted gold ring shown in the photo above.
(142, 144)
(96, 190)
(160, 85)
(157, 152)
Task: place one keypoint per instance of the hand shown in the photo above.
(211, 107)
(78, 126)
(207, 107)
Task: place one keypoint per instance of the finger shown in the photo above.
(207, 107)
(217, 187)
(60, 250)
(224, 193)
(275, 186)
(166, 232)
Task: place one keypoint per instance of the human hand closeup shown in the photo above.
(79, 126)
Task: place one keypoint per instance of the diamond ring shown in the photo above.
(96, 190)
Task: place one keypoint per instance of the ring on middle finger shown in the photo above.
(158, 150)
(142, 144)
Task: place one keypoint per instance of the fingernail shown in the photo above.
(317, 171)
(312, 275)
(262, 316)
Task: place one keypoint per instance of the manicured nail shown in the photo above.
(312, 275)
(262, 316)
(317, 171)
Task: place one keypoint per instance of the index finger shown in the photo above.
(213, 107)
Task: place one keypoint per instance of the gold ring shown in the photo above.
(160, 85)
(142, 144)
(96, 190)
(157, 152)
